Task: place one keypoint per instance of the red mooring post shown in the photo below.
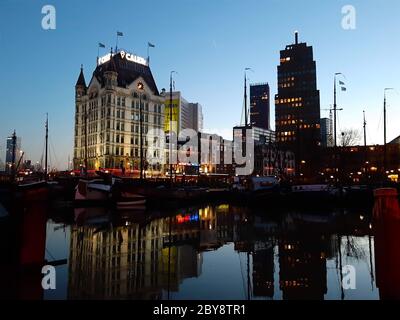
(386, 225)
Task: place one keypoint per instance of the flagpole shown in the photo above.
(149, 45)
(335, 122)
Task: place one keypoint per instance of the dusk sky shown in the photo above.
(209, 43)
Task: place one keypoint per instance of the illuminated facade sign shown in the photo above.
(187, 218)
(175, 115)
(124, 55)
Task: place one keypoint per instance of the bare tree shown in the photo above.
(350, 137)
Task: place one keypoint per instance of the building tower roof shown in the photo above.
(81, 79)
(111, 67)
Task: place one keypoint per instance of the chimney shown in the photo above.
(296, 37)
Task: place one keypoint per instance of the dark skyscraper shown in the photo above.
(297, 107)
(12, 152)
(259, 105)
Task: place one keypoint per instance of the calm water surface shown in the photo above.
(212, 252)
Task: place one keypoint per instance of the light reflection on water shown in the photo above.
(213, 252)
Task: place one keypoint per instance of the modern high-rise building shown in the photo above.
(197, 116)
(13, 150)
(107, 123)
(185, 115)
(326, 133)
(297, 107)
(260, 105)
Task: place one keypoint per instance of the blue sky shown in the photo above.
(209, 42)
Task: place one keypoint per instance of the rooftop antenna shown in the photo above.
(246, 122)
(296, 37)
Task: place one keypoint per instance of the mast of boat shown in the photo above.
(47, 148)
(245, 100)
(365, 145)
(384, 132)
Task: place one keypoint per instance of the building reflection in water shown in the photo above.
(132, 261)
(302, 262)
(143, 260)
(263, 270)
(149, 258)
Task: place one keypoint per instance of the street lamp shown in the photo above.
(170, 126)
(140, 88)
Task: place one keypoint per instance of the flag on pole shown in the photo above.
(344, 89)
(101, 45)
(341, 83)
(120, 34)
(151, 45)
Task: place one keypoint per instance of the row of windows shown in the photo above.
(119, 126)
(286, 117)
(286, 139)
(302, 126)
(300, 72)
(286, 133)
(288, 122)
(288, 100)
(110, 99)
(286, 79)
(92, 112)
(120, 114)
(286, 85)
(284, 60)
(94, 139)
(117, 151)
(293, 105)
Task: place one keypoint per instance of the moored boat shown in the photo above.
(314, 194)
(255, 189)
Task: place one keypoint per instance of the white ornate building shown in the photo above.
(107, 126)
